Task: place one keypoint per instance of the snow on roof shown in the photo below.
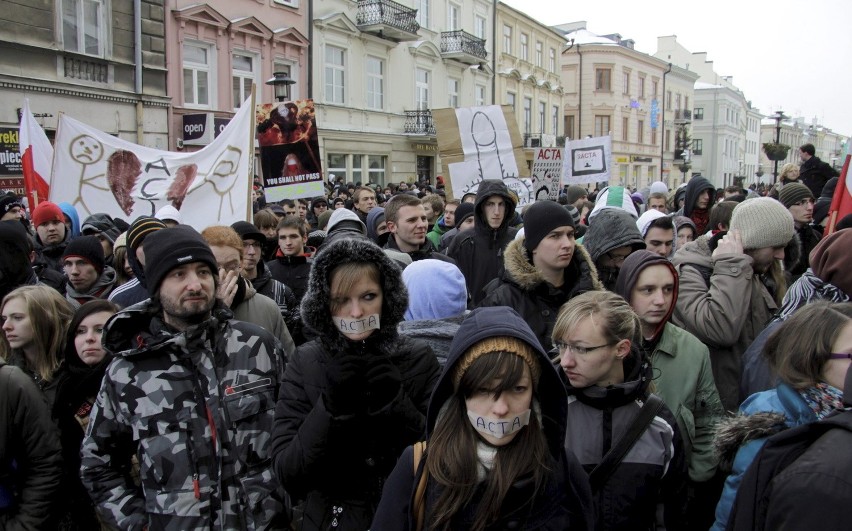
(587, 37)
(703, 85)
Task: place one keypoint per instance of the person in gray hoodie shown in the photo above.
(611, 238)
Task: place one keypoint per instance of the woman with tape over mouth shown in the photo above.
(494, 456)
(353, 398)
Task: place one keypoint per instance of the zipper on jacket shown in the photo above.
(196, 487)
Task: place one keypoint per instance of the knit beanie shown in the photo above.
(830, 260)
(140, 228)
(322, 220)
(497, 344)
(169, 212)
(87, 248)
(646, 219)
(575, 192)
(47, 211)
(762, 222)
(542, 217)
(464, 211)
(167, 249)
(7, 202)
(121, 241)
(613, 197)
(575, 214)
(794, 192)
(14, 233)
(658, 187)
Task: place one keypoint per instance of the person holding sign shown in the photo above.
(355, 396)
(494, 457)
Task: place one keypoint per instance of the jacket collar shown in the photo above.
(521, 272)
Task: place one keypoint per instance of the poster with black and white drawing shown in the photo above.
(547, 173)
(587, 160)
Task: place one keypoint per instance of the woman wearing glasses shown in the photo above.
(637, 482)
(810, 364)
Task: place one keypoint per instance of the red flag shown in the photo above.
(841, 204)
(36, 157)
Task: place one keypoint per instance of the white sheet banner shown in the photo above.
(588, 160)
(97, 172)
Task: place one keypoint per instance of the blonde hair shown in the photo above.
(617, 320)
(786, 169)
(49, 315)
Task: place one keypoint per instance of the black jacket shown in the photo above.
(479, 252)
(329, 460)
(292, 271)
(284, 297)
(565, 501)
(425, 252)
(522, 288)
(808, 238)
(814, 173)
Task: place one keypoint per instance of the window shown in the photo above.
(677, 102)
(336, 164)
(423, 13)
(507, 39)
(642, 87)
(525, 47)
(357, 167)
(479, 26)
(640, 134)
(698, 114)
(554, 122)
(602, 127)
(552, 60)
(453, 20)
(335, 82)
(242, 77)
(603, 79)
(653, 137)
(625, 128)
(375, 83)
(668, 137)
(654, 86)
(542, 116)
(569, 126)
(510, 100)
(83, 27)
(423, 99)
(479, 95)
(625, 89)
(686, 102)
(539, 53)
(196, 75)
(453, 92)
(377, 168)
(668, 99)
(697, 146)
(527, 115)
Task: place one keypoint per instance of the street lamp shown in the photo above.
(281, 82)
(779, 115)
(685, 166)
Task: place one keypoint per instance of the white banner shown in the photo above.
(588, 160)
(97, 172)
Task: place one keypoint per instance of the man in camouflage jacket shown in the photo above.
(192, 395)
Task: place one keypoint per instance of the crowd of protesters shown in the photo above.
(392, 358)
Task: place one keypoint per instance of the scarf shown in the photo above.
(807, 288)
(486, 454)
(701, 218)
(823, 399)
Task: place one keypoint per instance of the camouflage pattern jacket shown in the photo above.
(196, 408)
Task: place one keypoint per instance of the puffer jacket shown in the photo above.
(335, 464)
(479, 252)
(522, 288)
(648, 489)
(196, 407)
(563, 503)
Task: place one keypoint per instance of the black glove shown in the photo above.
(345, 393)
(383, 383)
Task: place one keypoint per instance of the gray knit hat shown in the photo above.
(792, 193)
(763, 222)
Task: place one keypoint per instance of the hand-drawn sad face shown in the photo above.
(224, 173)
(86, 150)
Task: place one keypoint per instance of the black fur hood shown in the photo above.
(316, 313)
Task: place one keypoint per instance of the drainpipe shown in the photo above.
(310, 93)
(494, 53)
(137, 52)
(580, 103)
(663, 129)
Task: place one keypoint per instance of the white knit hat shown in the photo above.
(763, 222)
(646, 219)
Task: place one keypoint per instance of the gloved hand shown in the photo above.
(383, 382)
(346, 391)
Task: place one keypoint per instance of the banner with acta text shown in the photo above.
(588, 160)
(97, 172)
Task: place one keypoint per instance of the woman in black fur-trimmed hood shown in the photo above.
(356, 396)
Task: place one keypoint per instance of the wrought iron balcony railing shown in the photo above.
(461, 44)
(387, 18)
(419, 122)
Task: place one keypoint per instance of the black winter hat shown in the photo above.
(87, 248)
(464, 211)
(7, 202)
(100, 224)
(542, 217)
(140, 228)
(247, 231)
(167, 249)
(14, 233)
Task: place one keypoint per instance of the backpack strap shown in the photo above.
(419, 507)
(616, 454)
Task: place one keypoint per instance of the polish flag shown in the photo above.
(841, 204)
(36, 157)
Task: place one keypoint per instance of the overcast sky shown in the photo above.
(790, 55)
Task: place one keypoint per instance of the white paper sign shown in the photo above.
(587, 160)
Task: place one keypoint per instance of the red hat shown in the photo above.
(47, 211)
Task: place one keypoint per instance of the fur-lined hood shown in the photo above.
(521, 272)
(316, 311)
(732, 433)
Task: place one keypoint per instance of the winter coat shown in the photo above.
(292, 271)
(30, 454)
(814, 173)
(763, 414)
(725, 305)
(69, 210)
(262, 311)
(809, 238)
(612, 228)
(134, 290)
(648, 488)
(437, 333)
(50, 256)
(565, 500)
(284, 297)
(338, 462)
(196, 407)
(524, 289)
(479, 252)
(101, 289)
(437, 231)
(48, 388)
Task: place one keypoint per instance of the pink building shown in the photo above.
(216, 50)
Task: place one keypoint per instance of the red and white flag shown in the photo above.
(841, 204)
(36, 157)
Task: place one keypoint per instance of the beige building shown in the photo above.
(528, 67)
(611, 88)
(794, 132)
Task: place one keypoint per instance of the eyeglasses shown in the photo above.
(837, 356)
(560, 348)
(617, 259)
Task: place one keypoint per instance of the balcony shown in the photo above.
(419, 123)
(85, 69)
(463, 47)
(683, 116)
(387, 19)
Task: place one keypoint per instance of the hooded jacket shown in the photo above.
(329, 460)
(682, 374)
(725, 305)
(524, 289)
(694, 187)
(648, 488)
(612, 228)
(564, 503)
(479, 252)
(438, 230)
(99, 290)
(71, 212)
(50, 256)
(196, 407)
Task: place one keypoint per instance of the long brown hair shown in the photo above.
(344, 276)
(451, 458)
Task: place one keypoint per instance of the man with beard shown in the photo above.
(191, 393)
